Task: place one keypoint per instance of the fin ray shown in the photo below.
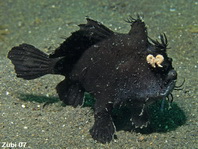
(30, 62)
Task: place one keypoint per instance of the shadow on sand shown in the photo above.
(168, 120)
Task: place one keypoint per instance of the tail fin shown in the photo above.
(30, 62)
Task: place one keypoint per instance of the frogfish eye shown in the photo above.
(170, 60)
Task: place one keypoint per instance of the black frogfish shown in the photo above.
(119, 70)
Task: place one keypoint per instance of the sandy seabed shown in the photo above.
(23, 120)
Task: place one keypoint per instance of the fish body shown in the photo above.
(117, 69)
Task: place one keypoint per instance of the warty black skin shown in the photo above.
(111, 66)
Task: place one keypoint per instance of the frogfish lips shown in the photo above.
(169, 84)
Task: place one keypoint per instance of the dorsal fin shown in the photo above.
(88, 35)
(138, 28)
(95, 30)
